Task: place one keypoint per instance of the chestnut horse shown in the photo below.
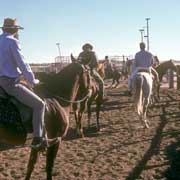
(53, 85)
(93, 97)
(115, 75)
(67, 83)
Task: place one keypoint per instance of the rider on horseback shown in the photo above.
(143, 62)
(12, 67)
(108, 68)
(88, 57)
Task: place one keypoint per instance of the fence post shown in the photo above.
(171, 78)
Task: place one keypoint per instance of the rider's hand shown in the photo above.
(36, 81)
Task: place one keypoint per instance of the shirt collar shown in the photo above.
(7, 34)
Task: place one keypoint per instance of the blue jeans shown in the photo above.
(29, 98)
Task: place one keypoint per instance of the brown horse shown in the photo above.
(101, 68)
(164, 66)
(162, 69)
(93, 97)
(69, 82)
(105, 73)
(53, 85)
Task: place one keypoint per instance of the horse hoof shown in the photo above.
(80, 135)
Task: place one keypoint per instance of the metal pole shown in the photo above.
(147, 19)
(58, 45)
(141, 31)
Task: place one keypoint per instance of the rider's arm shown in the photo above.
(153, 60)
(134, 65)
(19, 60)
(94, 60)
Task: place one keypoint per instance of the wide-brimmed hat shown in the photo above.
(86, 46)
(11, 23)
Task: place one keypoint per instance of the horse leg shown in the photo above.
(76, 114)
(113, 82)
(31, 163)
(158, 89)
(146, 102)
(117, 82)
(89, 111)
(80, 129)
(50, 157)
(98, 106)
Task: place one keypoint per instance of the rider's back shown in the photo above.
(143, 59)
(7, 66)
(88, 57)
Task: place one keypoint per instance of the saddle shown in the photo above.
(14, 115)
(144, 70)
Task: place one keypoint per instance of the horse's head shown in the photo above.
(171, 65)
(85, 80)
(71, 80)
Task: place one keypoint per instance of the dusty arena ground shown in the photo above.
(120, 151)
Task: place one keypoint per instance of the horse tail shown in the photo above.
(138, 94)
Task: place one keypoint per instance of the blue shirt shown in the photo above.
(11, 59)
(143, 59)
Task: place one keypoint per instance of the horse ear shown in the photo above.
(73, 59)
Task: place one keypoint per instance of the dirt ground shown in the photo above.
(120, 151)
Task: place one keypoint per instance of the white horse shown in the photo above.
(142, 89)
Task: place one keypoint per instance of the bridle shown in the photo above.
(89, 92)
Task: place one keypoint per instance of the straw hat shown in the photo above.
(11, 23)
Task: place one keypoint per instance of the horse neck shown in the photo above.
(75, 89)
(71, 92)
(161, 70)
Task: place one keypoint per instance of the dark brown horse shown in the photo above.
(162, 69)
(67, 83)
(54, 87)
(93, 97)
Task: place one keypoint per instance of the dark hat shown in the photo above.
(11, 23)
(87, 45)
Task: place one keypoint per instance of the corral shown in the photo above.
(119, 151)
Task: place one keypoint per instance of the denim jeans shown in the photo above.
(29, 98)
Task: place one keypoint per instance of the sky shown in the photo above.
(112, 26)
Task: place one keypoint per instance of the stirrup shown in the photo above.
(41, 144)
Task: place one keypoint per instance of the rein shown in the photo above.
(77, 101)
